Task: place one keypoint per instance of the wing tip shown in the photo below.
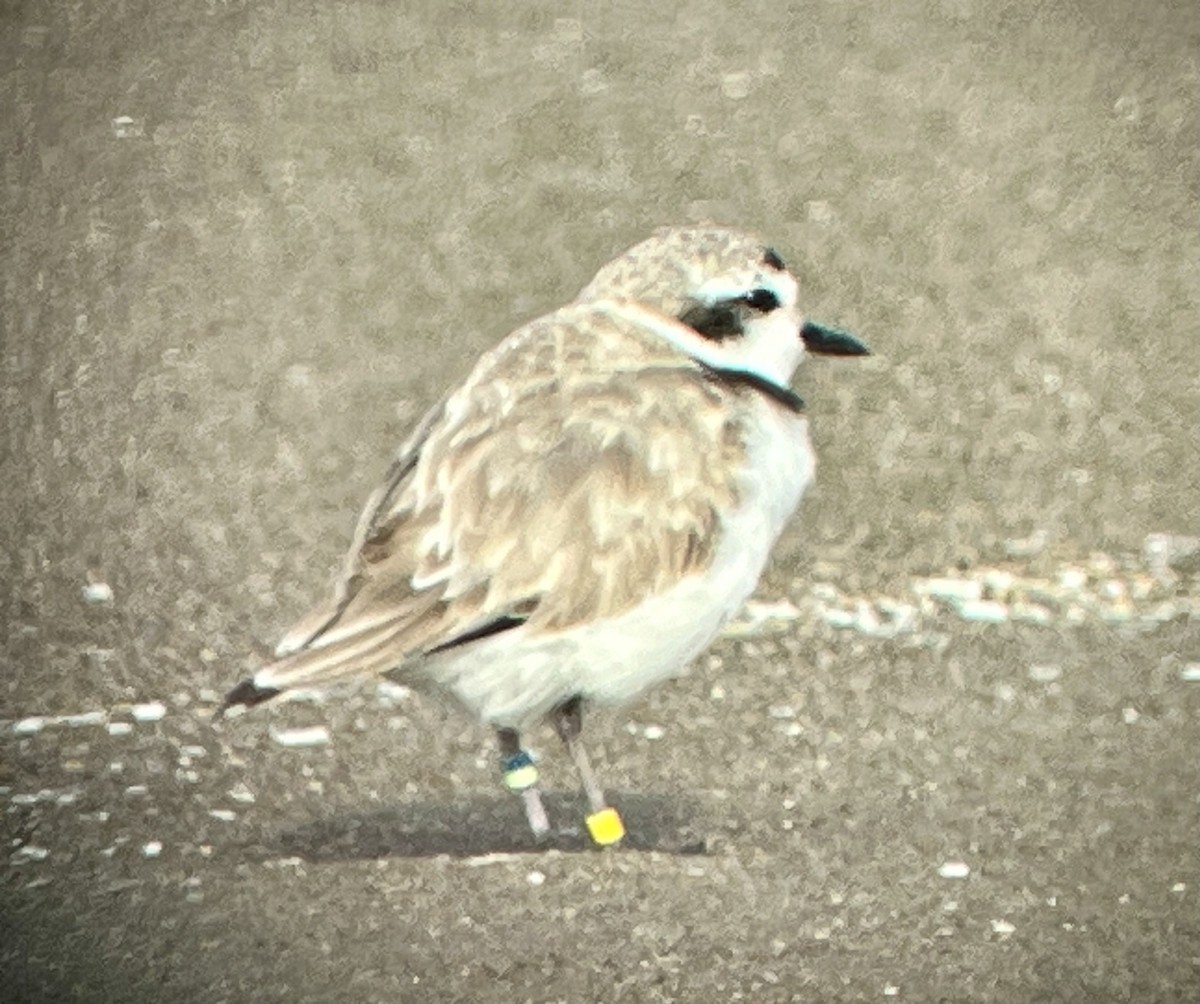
(247, 693)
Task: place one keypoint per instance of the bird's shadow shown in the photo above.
(479, 825)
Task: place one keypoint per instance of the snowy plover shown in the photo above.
(578, 520)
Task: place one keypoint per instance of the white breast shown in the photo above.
(519, 676)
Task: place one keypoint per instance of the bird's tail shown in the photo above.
(324, 661)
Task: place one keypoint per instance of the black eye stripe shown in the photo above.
(762, 300)
(772, 260)
(715, 322)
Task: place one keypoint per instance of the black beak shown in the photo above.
(831, 341)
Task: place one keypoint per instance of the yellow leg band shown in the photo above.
(605, 826)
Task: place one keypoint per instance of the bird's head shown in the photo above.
(736, 300)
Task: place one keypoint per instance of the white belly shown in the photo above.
(518, 676)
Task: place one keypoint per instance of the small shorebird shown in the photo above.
(577, 521)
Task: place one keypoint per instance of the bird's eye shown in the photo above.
(762, 300)
(771, 258)
(716, 321)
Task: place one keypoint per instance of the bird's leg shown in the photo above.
(521, 777)
(568, 723)
(604, 822)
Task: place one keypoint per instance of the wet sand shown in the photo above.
(246, 246)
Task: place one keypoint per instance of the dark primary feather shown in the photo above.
(245, 693)
(504, 623)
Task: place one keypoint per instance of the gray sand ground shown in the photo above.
(244, 245)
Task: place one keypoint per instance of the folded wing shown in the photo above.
(580, 469)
